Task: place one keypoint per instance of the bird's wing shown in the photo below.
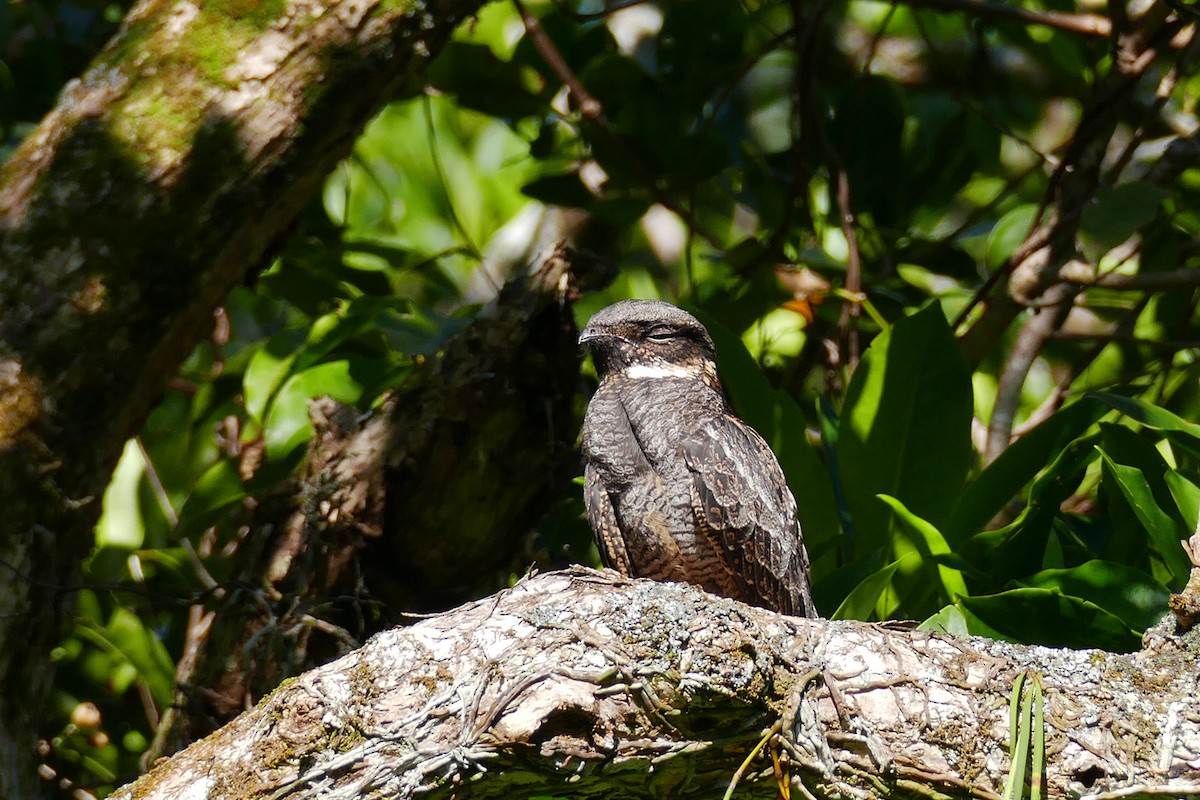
(742, 503)
(603, 520)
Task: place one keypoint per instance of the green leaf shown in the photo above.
(484, 82)
(1020, 547)
(267, 369)
(1148, 414)
(288, 425)
(1187, 498)
(950, 621)
(905, 426)
(1118, 212)
(864, 598)
(930, 544)
(977, 627)
(867, 130)
(1002, 479)
(1027, 739)
(1041, 616)
(1020, 730)
(121, 523)
(1009, 233)
(564, 189)
(218, 489)
(1163, 533)
(1128, 593)
(126, 638)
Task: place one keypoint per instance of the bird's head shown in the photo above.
(649, 339)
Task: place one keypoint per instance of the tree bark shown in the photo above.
(166, 173)
(586, 683)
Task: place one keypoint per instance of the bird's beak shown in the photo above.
(589, 334)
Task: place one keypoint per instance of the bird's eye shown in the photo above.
(661, 334)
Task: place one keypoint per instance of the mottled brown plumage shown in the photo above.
(677, 487)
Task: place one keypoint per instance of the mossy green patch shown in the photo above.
(211, 43)
(157, 120)
(258, 14)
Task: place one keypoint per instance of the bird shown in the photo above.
(677, 486)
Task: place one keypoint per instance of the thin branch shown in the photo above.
(1080, 274)
(1034, 334)
(1056, 398)
(847, 332)
(1081, 23)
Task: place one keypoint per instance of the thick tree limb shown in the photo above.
(586, 683)
(166, 173)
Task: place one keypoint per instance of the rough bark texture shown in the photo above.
(420, 502)
(586, 684)
(166, 173)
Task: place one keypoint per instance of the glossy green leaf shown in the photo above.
(1020, 547)
(1163, 533)
(1042, 616)
(267, 370)
(288, 425)
(1004, 478)
(1135, 597)
(864, 598)
(1118, 212)
(1009, 233)
(950, 621)
(929, 544)
(905, 426)
(486, 83)
(121, 523)
(1187, 498)
(126, 637)
(217, 490)
(1148, 414)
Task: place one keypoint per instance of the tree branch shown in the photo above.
(587, 683)
(1080, 22)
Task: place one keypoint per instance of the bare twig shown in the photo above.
(1080, 274)
(1036, 331)
(848, 333)
(1054, 401)
(1081, 23)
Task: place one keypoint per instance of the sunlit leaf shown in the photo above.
(1164, 535)
(863, 600)
(1008, 234)
(288, 425)
(905, 426)
(267, 370)
(929, 541)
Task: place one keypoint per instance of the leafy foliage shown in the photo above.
(852, 196)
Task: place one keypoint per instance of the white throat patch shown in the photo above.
(642, 371)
